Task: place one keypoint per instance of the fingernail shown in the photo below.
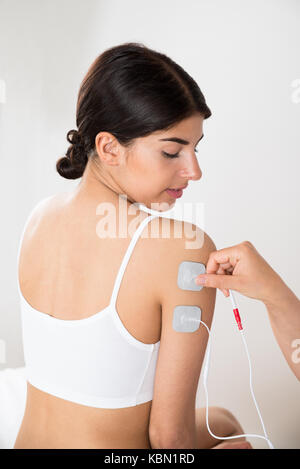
(200, 281)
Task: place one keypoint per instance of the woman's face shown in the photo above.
(145, 173)
(150, 173)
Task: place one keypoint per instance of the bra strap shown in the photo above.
(127, 257)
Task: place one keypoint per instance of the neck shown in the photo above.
(97, 185)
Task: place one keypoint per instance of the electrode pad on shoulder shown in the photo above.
(187, 272)
(186, 318)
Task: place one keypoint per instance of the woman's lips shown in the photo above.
(175, 193)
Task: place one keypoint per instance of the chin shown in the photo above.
(160, 206)
(159, 203)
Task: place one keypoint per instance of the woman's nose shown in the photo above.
(192, 169)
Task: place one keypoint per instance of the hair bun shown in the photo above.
(65, 168)
(74, 137)
(72, 165)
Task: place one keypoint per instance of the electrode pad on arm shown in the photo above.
(187, 273)
(188, 318)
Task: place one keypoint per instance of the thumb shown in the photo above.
(218, 281)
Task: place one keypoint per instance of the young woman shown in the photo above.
(105, 368)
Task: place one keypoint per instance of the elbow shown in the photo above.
(165, 444)
(161, 440)
(171, 441)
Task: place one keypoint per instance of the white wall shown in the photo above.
(245, 58)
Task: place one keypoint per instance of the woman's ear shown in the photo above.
(107, 148)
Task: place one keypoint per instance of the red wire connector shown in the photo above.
(235, 310)
(237, 318)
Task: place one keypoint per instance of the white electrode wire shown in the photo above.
(205, 376)
(252, 392)
(234, 304)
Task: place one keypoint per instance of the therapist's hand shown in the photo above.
(243, 269)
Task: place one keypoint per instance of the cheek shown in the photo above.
(151, 174)
(144, 167)
(168, 169)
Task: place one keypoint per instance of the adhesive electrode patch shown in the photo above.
(187, 272)
(186, 318)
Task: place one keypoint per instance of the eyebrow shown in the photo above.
(179, 140)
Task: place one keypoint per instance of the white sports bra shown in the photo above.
(92, 361)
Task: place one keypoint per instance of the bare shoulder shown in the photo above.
(42, 210)
(181, 241)
(187, 234)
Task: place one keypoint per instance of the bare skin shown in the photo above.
(66, 224)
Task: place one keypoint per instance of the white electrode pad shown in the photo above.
(187, 273)
(186, 318)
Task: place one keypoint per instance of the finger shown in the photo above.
(226, 266)
(219, 281)
(230, 255)
(220, 271)
(214, 263)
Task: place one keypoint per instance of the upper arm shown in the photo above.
(181, 353)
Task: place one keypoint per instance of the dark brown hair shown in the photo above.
(129, 91)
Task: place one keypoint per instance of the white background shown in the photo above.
(245, 57)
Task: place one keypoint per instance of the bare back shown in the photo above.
(72, 279)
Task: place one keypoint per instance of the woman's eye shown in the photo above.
(169, 155)
(175, 155)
